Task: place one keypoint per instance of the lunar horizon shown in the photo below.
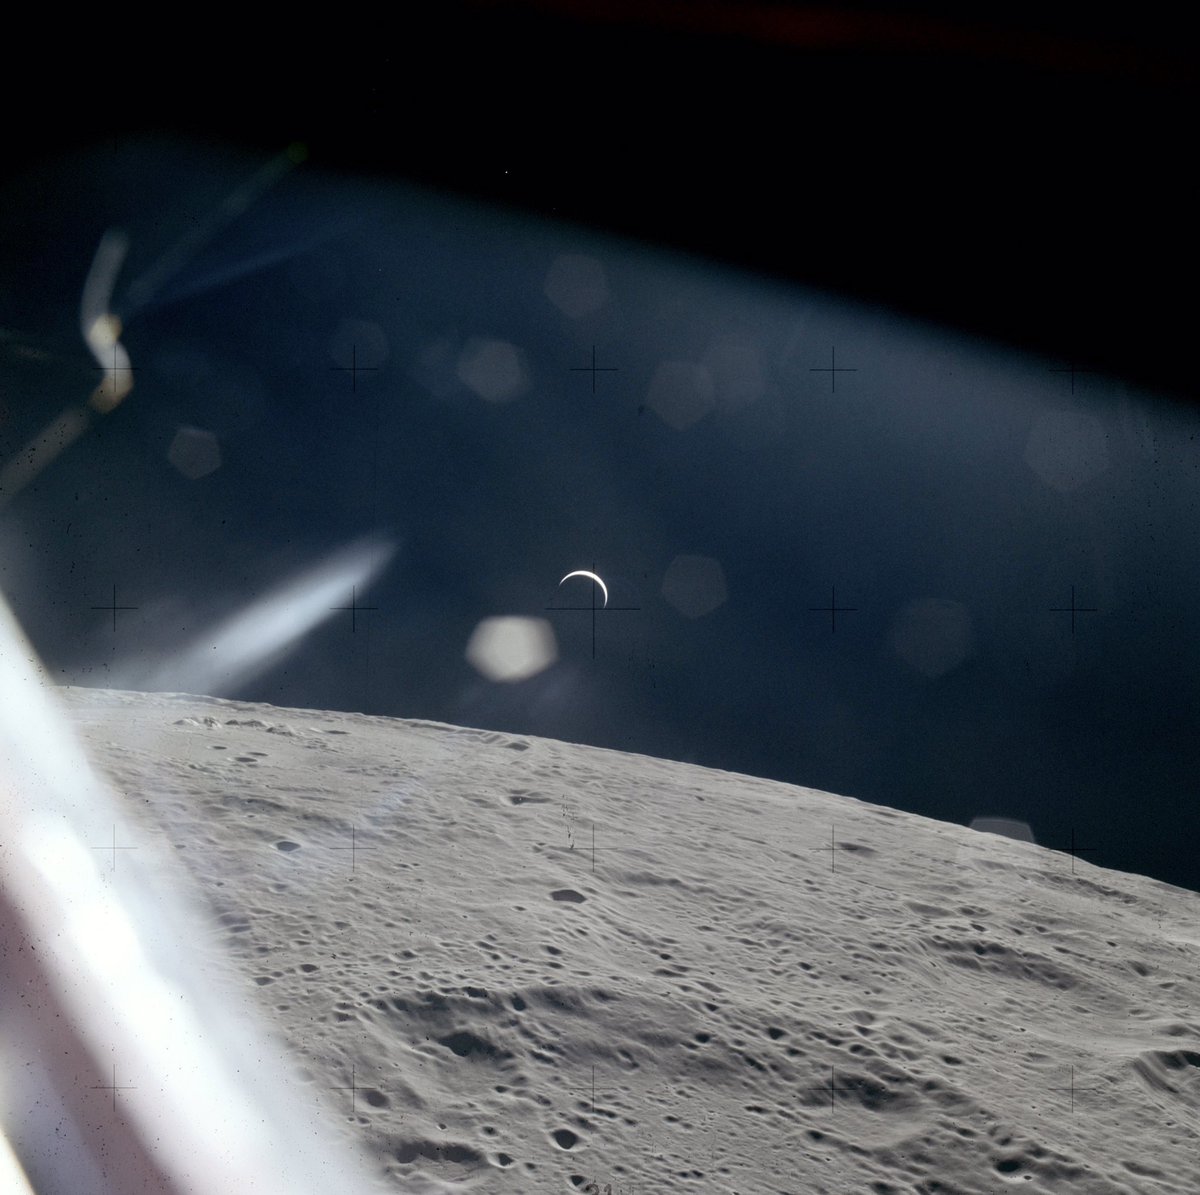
(508, 964)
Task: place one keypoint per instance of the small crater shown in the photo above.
(466, 1044)
(926, 910)
(519, 796)
(1179, 1060)
(561, 999)
(286, 846)
(568, 894)
(437, 1151)
(565, 1139)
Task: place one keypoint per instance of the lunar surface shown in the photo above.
(515, 966)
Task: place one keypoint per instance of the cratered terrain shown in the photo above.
(517, 966)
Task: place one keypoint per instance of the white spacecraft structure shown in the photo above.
(124, 1066)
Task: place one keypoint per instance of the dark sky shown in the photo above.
(953, 497)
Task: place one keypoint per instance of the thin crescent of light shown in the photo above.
(583, 572)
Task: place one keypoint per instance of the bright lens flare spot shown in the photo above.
(582, 572)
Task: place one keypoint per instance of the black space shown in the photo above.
(1020, 177)
(1018, 170)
